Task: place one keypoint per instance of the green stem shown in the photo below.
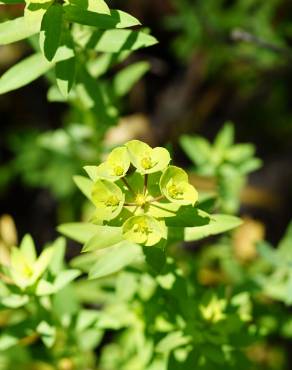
(157, 199)
(128, 186)
(145, 183)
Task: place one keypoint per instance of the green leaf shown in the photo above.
(114, 41)
(115, 259)
(128, 77)
(188, 216)
(106, 236)
(51, 30)
(47, 333)
(7, 341)
(27, 248)
(81, 232)
(155, 256)
(16, 30)
(57, 262)
(64, 278)
(225, 137)
(85, 185)
(217, 225)
(239, 153)
(41, 264)
(65, 75)
(171, 341)
(98, 6)
(116, 19)
(24, 72)
(285, 245)
(15, 300)
(198, 149)
(34, 12)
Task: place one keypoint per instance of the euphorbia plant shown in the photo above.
(140, 199)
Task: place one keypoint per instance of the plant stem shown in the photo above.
(157, 199)
(145, 183)
(128, 186)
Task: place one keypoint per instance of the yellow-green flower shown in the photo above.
(174, 184)
(144, 230)
(108, 199)
(114, 168)
(146, 159)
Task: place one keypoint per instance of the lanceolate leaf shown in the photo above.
(217, 225)
(51, 30)
(24, 72)
(116, 19)
(106, 236)
(125, 79)
(115, 259)
(15, 30)
(81, 232)
(114, 41)
(98, 6)
(65, 75)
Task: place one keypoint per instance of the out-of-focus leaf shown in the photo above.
(126, 79)
(85, 185)
(106, 236)
(24, 72)
(114, 41)
(16, 30)
(81, 232)
(115, 259)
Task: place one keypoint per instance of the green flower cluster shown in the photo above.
(136, 189)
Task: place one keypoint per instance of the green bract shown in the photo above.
(144, 230)
(174, 184)
(146, 159)
(108, 199)
(116, 166)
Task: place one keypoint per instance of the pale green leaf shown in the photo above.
(106, 236)
(198, 149)
(114, 41)
(85, 185)
(16, 30)
(225, 137)
(81, 232)
(115, 259)
(27, 248)
(128, 77)
(24, 72)
(217, 225)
